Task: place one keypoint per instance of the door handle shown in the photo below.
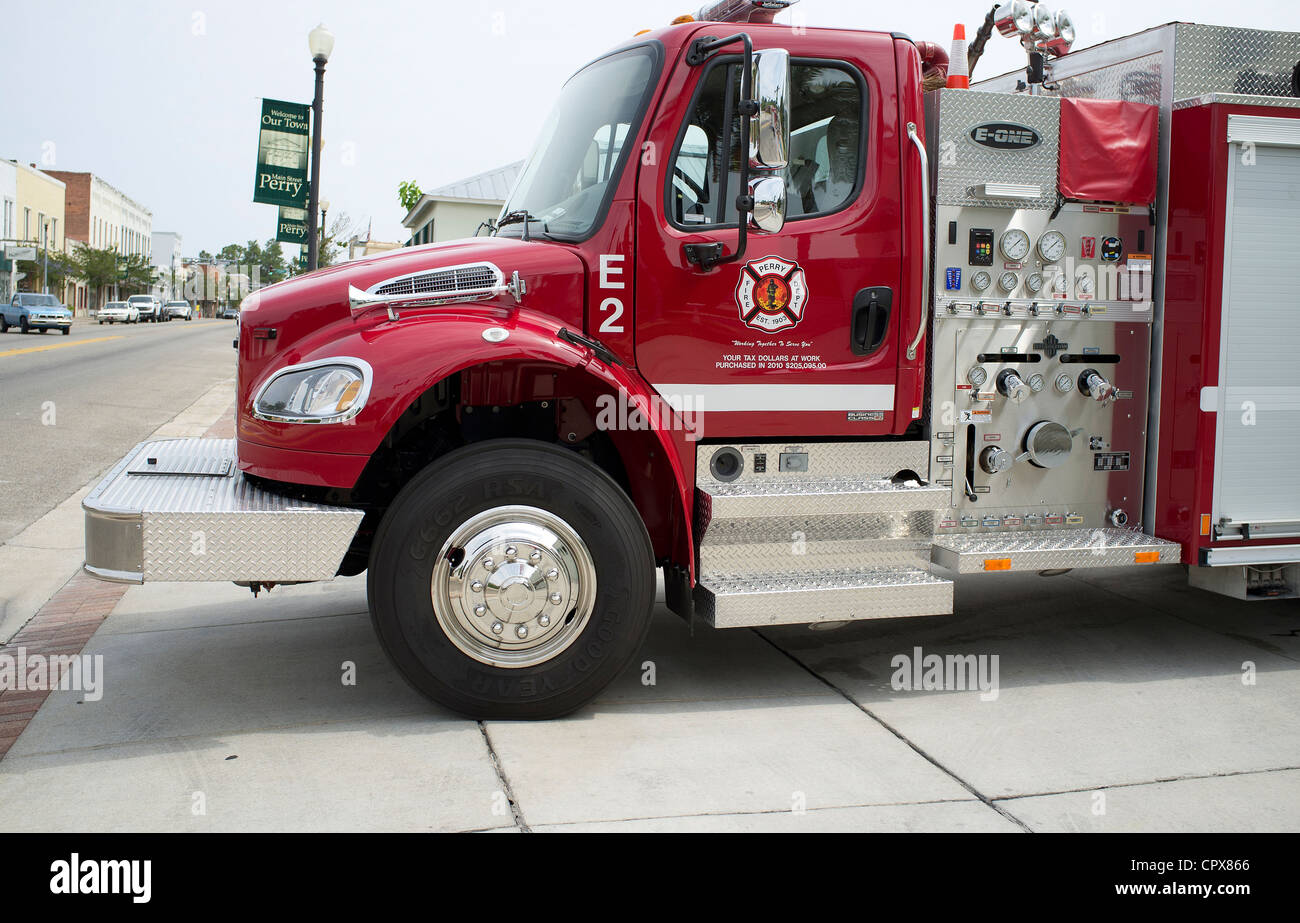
(870, 319)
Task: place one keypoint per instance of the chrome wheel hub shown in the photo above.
(513, 586)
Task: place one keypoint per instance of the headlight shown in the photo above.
(327, 391)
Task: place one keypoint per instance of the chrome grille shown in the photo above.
(478, 278)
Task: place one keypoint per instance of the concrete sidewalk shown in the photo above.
(1121, 706)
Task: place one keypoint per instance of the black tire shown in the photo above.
(24, 326)
(67, 330)
(4, 324)
(486, 476)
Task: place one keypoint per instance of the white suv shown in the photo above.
(149, 306)
(182, 309)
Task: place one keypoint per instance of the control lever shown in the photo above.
(1094, 385)
(1012, 386)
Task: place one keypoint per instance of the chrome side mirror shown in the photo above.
(768, 215)
(769, 146)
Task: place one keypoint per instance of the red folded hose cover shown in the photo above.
(1108, 151)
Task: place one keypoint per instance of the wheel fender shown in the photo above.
(411, 355)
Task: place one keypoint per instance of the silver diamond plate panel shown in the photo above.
(1227, 59)
(798, 544)
(831, 596)
(1066, 548)
(961, 164)
(867, 459)
(1238, 99)
(180, 457)
(198, 528)
(1137, 81)
(808, 497)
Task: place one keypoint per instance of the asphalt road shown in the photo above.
(72, 405)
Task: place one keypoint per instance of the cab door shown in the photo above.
(799, 336)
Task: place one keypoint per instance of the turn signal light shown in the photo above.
(997, 564)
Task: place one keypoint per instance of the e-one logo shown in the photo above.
(1004, 136)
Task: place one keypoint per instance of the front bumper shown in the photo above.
(179, 509)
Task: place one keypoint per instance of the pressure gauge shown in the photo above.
(1034, 282)
(1064, 383)
(1037, 383)
(1083, 282)
(1060, 284)
(980, 281)
(1008, 282)
(977, 375)
(1051, 246)
(1015, 245)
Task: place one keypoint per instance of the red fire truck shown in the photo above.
(764, 313)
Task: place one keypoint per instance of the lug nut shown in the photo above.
(521, 632)
(497, 628)
(489, 564)
(555, 598)
(552, 574)
(480, 609)
(535, 556)
(510, 552)
(476, 586)
(543, 620)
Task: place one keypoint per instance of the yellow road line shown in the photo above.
(38, 349)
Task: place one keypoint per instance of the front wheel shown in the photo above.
(511, 579)
(67, 330)
(24, 326)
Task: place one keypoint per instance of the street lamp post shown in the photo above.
(324, 227)
(45, 265)
(321, 42)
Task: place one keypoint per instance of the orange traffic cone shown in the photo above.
(958, 73)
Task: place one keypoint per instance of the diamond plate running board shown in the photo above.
(828, 596)
(796, 496)
(1051, 550)
(200, 526)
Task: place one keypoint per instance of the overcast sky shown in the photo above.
(162, 99)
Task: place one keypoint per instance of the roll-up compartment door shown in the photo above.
(1257, 470)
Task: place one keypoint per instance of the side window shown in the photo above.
(826, 149)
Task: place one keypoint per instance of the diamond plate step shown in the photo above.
(784, 496)
(1049, 550)
(203, 525)
(825, 596)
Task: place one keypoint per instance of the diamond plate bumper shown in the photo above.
(1042, 550)
(831, 596)
(189, 516)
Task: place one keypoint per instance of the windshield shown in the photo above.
(140, 299)
(580, 153)
(41, 301)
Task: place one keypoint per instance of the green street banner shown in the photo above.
(291, 225)
(282, 154)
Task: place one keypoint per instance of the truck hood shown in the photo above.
(306, 312)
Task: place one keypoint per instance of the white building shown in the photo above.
(456, 210)
(8, 220)
(166, 249)
(104, 218)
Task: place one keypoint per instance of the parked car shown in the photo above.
(228, 312)
(32, 311)
(182, 309)
(119, 312)
(149, 306)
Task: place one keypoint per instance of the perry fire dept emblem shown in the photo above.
(771, 294)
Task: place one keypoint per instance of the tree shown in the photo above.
(137, 273)
(336, 237)
(61, 269)
(96, 267)
(409, 194)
